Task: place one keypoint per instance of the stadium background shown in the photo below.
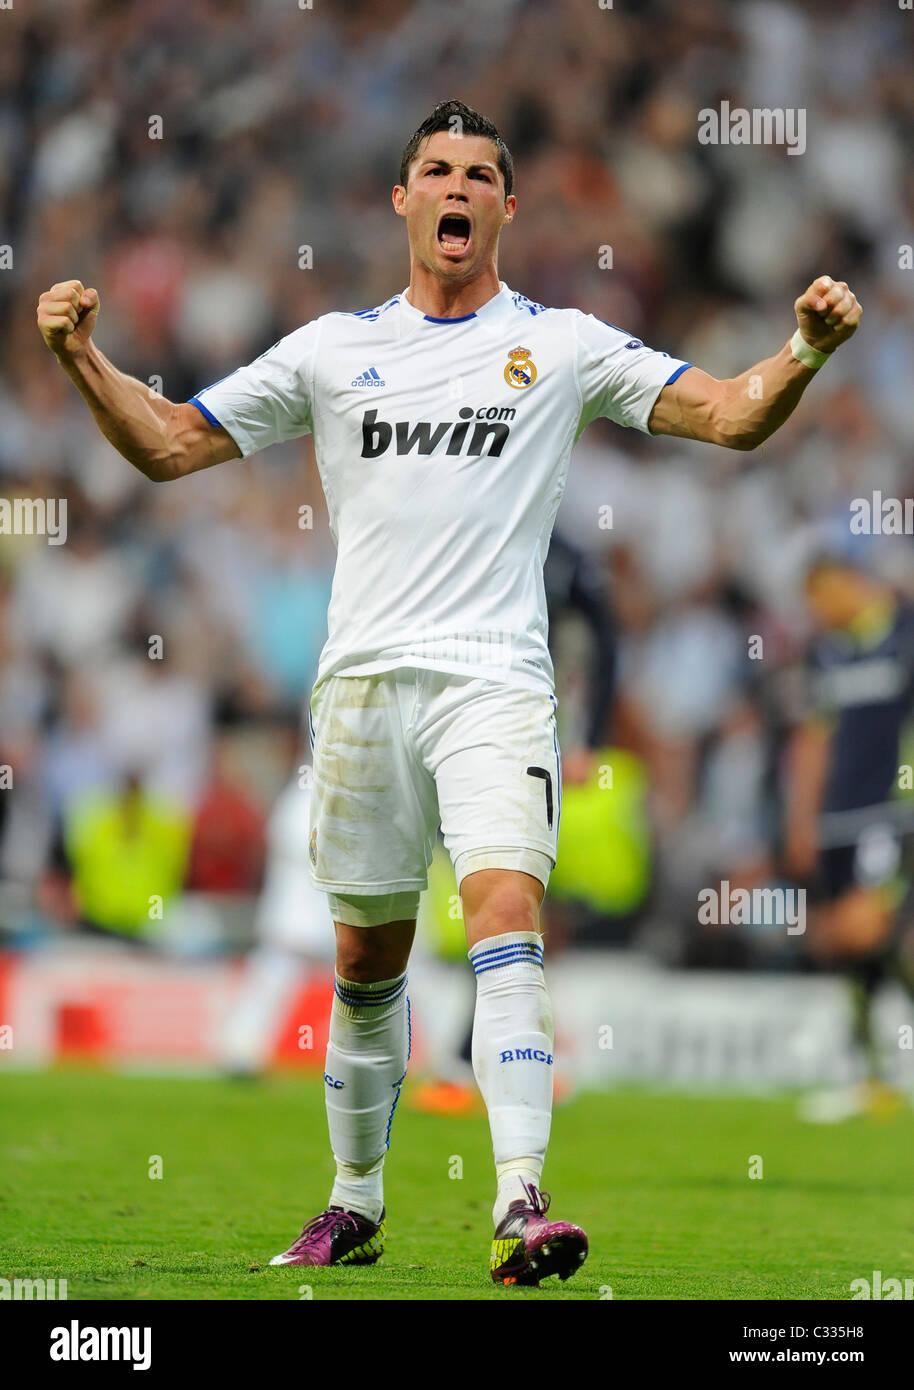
(281, 131)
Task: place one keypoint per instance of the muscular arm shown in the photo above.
(698, 406)
(743, 411)
(161, 439)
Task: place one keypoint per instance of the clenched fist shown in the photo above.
(66, 316)
(827, 314)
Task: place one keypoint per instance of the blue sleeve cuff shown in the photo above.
(670, 379)
(208, 414)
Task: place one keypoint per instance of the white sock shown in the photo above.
(367, 1055)
(512, 1057)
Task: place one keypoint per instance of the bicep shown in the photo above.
(197, 443)
(690, 408)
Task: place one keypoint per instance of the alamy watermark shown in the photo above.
(26, 1290)
(83, 1343)
(34, 516)
(889, 1290)
(882, 516)
(492, 648)
(762, 125)
(753, 907)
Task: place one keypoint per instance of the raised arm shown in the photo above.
(163, 440)
(741, 412)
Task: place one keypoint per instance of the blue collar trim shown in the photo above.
(463, 319)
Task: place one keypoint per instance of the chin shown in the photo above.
(455, 270)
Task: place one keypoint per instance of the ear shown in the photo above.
(399, 200)
(510, 209)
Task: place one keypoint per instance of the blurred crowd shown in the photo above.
(220, 170)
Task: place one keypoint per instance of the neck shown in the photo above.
(442, 299)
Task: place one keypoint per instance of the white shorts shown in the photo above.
(400, 752)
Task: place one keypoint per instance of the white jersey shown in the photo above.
(443, 449)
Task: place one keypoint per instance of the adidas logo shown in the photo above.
(369, 378)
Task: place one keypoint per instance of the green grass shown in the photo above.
(660, 1182)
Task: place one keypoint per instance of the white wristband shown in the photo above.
(804, 352)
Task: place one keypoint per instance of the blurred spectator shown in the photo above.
(227, 849)
(127, 850)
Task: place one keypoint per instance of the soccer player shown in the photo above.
(843, 769)
(443, 421)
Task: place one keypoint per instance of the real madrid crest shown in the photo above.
(520, 371)
(312, 848)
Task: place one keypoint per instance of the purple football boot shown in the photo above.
(528, 1248)
(336, 1237)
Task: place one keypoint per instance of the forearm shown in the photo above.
(758, 402)
(133, 417)
(743, 411)
(806, 767)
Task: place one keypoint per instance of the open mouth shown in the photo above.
(454, 232)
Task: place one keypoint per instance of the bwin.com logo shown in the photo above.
(369, 378)
(490, 431)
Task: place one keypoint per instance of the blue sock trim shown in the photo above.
(496, 956)
(524, 947)
(506, 946)
(500, 964)
(399, 1084)
(361, 997)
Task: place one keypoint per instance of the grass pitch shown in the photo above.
(660, 1182)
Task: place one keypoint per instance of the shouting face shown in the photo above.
(455, 205)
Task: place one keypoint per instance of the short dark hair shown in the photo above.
(471, 123)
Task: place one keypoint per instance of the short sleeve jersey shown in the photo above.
(443, 448)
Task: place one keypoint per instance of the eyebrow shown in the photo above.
(448, 164)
